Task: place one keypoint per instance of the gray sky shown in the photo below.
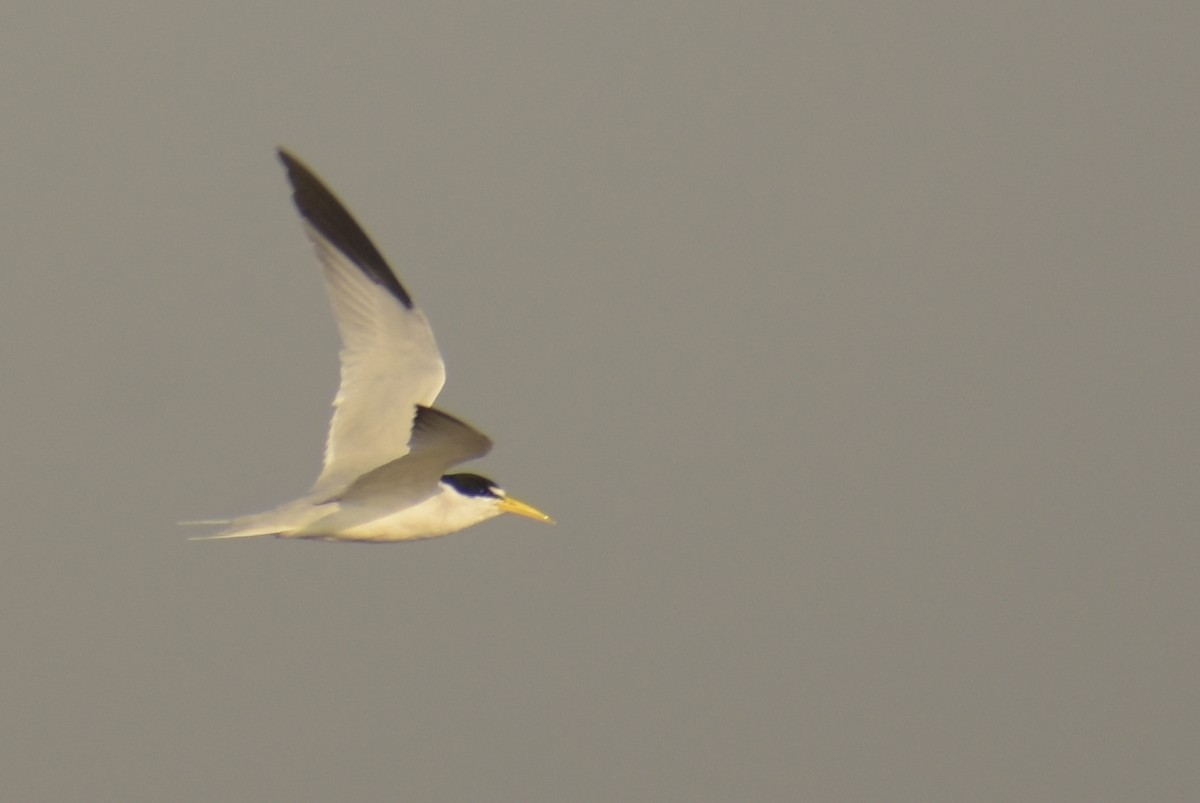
(852, 346)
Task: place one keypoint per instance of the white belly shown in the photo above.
(440, 514)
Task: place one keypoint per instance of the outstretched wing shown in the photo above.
(390, 361)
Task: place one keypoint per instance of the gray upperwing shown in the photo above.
(439, 441)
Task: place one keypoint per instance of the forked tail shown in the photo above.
(280, 521)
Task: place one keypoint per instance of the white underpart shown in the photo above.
(443, 513)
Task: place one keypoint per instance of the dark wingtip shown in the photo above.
(321, 208)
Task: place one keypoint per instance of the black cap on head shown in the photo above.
(472, 485)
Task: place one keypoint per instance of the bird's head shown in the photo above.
(488, 498)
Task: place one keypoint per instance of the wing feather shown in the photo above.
(439, 441)
(390, 362)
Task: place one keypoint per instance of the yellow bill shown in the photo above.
(510, 505)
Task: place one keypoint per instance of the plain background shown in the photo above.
(852, 345)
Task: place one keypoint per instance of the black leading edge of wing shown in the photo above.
(327, 215)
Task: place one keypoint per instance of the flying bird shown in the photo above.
(388, 449)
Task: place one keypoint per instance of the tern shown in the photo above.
(388, 449)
